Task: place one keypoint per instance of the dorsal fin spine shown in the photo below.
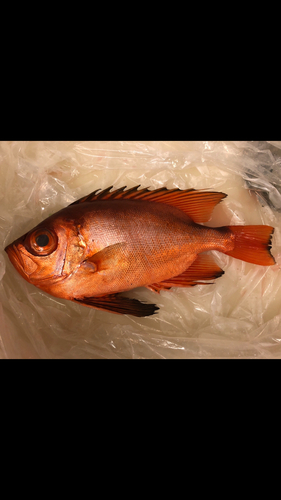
(197, 204)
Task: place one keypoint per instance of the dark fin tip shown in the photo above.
(219, 274)
(146, 310)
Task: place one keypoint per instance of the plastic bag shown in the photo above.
(236, 317)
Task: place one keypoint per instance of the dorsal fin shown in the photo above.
(198, 204)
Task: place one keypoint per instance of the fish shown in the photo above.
(110, 242)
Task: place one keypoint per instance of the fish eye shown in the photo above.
(42, 242)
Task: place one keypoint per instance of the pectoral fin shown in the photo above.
(107, 258)
(117, 304)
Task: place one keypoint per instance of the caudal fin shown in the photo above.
(252, 244)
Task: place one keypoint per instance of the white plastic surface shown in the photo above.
(238, 316)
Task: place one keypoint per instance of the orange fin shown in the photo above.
(197, 204)
(203, 268)
(107, 257)
(252, 244)
(117, 304)
(156, 287)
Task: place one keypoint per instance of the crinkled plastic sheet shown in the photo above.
(237, 317)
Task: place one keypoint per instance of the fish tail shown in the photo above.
(252, 244)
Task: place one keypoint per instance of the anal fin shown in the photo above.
(117, 304)
(203, 268)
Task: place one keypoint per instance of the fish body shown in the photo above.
(115, 241)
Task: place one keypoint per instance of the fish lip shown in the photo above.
(15, 257)
(18, 256)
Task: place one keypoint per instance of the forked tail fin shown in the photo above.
(252, 244)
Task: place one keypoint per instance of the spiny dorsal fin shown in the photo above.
(198, 204)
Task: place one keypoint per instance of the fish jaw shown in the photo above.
(16, 259)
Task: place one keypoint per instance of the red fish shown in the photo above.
(113, 241)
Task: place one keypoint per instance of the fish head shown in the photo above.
(49, 253)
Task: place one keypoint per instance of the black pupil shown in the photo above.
(42, 240)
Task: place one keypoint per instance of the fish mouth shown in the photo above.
(16, 258)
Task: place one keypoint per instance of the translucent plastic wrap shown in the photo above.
(239, 316)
